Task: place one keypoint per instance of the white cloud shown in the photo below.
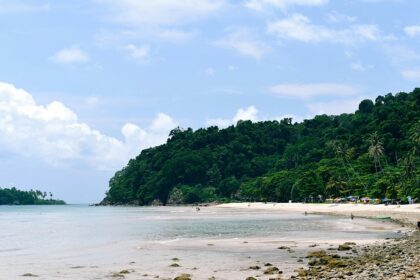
(358, 66)
(159, 19)
(334, 107)
(260, 5)
(335, 17)
(173, 35)
(162, 12)
(54, 133)
(411, 74)
(138, 52)
(299, 27)
(367, 31)
(242, 42)
(307, 91)
(412, 30)
(250, 113)
(70, 55)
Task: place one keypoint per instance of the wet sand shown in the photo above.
(404, 213)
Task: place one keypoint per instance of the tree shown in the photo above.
(376, 150)
(281, 160)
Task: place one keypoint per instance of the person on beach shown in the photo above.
(351, 216)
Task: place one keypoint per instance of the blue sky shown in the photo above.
(85, 85)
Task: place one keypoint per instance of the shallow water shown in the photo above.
(81, 242)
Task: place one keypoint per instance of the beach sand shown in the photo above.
(408, 214)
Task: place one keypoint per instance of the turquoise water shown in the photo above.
(32, 237)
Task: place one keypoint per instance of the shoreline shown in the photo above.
(404, 214)
(252, 257)
(388, 259)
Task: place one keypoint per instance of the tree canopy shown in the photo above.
(13, 196)
(372, 152)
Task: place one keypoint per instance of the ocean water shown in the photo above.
(82, 242)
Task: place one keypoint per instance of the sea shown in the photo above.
(87, 242)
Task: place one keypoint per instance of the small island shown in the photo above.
(13, 196)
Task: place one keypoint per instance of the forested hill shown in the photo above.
(13, 196)
(373, 152)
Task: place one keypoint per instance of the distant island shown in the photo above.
(13, 196)
(373, 152)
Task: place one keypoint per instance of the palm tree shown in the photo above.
(344, 154)
(336, 186)
(376, 150)
(415, 137)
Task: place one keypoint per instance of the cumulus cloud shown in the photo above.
(70, 55)
(307, 91)
(260, 5)
(54, 133)
(299, 27)
(250, 113)
(412, 30)
(244, 44)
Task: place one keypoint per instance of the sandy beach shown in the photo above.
(408, 214)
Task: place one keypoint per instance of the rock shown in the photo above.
(174, 265)
(254, 267)
(272, 270)
(183, 276)
(344, 247)
(250, 278)
(29, 275)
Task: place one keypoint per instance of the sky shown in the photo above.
(85, 85)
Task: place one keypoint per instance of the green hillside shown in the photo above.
(13, 196)
(373, 152)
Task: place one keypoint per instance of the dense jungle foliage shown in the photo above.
(14, 196)
(373, 152)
